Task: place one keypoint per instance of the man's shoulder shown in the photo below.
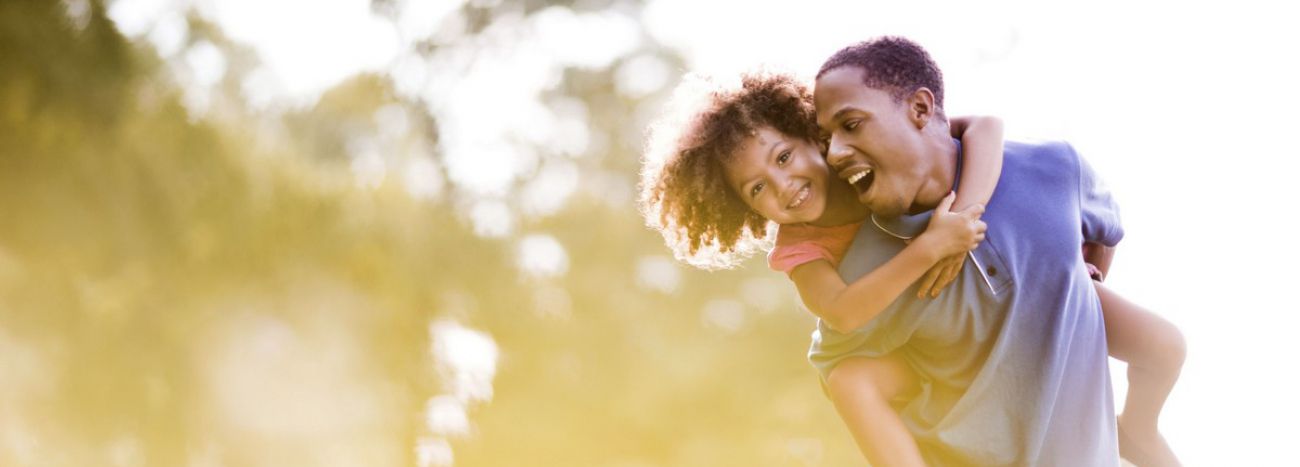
(1051, 159)
(1046, 149)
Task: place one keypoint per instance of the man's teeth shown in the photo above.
(858, 176)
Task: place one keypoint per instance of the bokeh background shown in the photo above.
(403, 232)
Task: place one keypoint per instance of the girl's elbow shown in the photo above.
(837, 326)
(989, 120)
(840, 324)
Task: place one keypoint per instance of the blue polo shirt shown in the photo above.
(1012, 355)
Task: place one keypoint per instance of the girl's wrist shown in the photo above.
(926, 243)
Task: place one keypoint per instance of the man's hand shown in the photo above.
(1098, 257)
(1095, 273)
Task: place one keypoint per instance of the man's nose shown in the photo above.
(837, 153)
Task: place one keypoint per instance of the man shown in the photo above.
(1012, 355)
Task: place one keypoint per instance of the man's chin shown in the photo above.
(883, 210)
(862, 198)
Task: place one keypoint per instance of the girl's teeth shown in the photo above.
(799, 199)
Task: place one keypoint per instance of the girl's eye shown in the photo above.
(754, 191)
(851, 125)
(783, 158)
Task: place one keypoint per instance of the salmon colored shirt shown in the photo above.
(798, 244)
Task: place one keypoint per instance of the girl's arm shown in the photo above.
(848, 306)
(981, 166)
(845, 307)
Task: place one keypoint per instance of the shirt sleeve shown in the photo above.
(1099, 212)
(785, 258)
(802, 244)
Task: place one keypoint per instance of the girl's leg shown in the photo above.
(861, 389)
(1154, 350)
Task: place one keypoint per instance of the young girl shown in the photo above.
(737, 159)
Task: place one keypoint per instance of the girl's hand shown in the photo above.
(951, 235)
(941, 275)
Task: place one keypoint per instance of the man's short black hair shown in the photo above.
(892, 64)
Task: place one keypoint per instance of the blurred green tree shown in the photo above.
(236, 287)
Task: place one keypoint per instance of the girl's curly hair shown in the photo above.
(684, 192)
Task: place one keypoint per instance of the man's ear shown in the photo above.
(920, 107)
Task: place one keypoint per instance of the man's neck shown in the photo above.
(940, 152)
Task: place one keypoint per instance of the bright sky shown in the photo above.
(1184, 108)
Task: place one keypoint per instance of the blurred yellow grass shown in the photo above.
(183, 288)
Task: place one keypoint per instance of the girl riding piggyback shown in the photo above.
(728, 164)
(729, 167)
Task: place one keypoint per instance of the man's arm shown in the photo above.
(1098, 211)
(1099, 215)
(1099, 256)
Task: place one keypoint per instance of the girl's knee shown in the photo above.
(887, 377)
(1177, 345)
(852, 375)
(1170, 347)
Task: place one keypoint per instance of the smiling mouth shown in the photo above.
(799, 198)
(861, 181)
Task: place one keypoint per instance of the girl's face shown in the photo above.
(782, 178)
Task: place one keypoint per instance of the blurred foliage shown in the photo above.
(182, 288)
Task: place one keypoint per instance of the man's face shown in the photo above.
(782, 178)
(873, 141)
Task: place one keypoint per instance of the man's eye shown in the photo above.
(783, 158)
(754, 191)
(851, 124)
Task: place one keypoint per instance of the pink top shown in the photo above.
(798, 244)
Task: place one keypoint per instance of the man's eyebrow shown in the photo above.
(841, 113)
